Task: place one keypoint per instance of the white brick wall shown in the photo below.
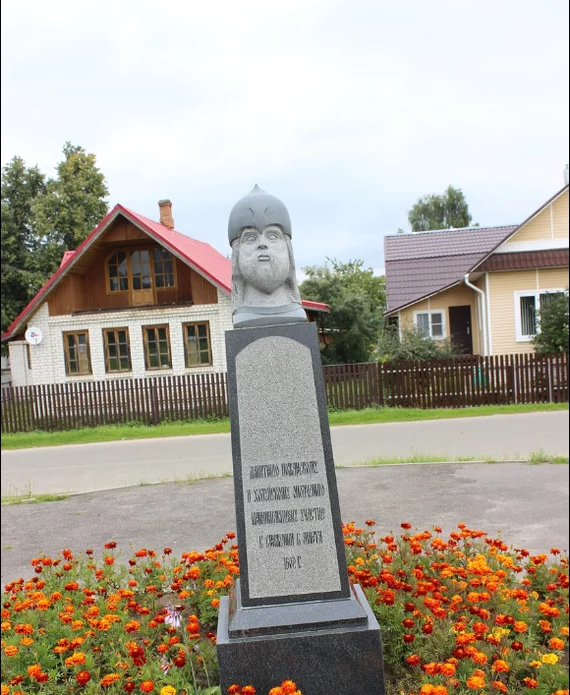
(48, 363)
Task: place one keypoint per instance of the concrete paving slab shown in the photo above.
(527, 504)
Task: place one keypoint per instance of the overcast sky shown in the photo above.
(347, 110)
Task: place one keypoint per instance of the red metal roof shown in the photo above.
(197, 254)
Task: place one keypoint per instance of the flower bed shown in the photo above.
(460, 615)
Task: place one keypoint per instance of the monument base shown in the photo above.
(343, 657)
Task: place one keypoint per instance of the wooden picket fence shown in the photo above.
(450, 383)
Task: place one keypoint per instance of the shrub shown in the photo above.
(554, 326)
(411, 346)
(460, 615)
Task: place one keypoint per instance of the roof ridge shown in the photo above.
(450, 229)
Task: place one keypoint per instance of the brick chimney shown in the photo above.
(166, 213)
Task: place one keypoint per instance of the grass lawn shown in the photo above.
(111, 433)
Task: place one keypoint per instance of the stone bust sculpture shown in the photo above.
(264, 287)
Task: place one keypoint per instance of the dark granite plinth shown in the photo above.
(345, 660)
(292, 618)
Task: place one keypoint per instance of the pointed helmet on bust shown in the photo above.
(258, 209)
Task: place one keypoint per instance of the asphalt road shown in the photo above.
(103, 466)
(527, 504)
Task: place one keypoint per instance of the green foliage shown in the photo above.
(42, 219)
(21, 274)
(554, 326)
(72, 205)
(440, 211)
(357, 299)
(411, 346)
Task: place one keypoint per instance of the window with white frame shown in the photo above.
(528, 305)
(430, 324)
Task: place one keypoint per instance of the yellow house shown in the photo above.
(481, 287)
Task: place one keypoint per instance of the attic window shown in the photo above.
(140, 269)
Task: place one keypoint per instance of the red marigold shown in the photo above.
(83, 677)
(147, 686)
(413, 660)
(530, 683)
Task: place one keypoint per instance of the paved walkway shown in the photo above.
(528, 504)
(102, 466)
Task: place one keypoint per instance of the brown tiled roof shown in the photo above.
(526, 260)
(424, 263)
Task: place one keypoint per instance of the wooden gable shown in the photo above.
(86, 285)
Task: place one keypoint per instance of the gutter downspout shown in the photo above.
(483, 311)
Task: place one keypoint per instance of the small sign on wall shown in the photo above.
(33, 336)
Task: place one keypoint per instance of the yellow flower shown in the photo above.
(535, 664)
(550, 659)
(168, 690)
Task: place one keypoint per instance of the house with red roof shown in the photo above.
(481, 287)
(135, 299)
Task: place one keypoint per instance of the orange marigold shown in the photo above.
(109, 679)
(475, 682)
(501, 687)
(147, 686)
(556, 643)
(500, 666)
(76, 659)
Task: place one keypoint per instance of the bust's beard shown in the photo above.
(265, 276)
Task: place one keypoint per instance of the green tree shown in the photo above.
(357, 299)
(440, 211)
(554, 325)
(21, 271)
(71, 206)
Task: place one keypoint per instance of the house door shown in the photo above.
(460, 328)
(142, 279)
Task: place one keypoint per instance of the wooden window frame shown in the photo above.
(186, 351)
(174, 286)
(108, 370)
(67, 356)
(129, 250)
(160, 368)
(108, 277)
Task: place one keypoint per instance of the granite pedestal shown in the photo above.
(293, 614)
